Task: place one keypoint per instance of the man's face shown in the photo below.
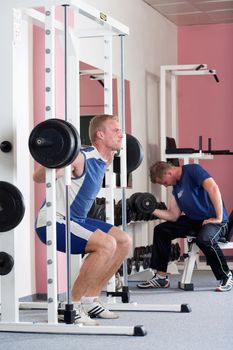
(112, 135)
(168, 179)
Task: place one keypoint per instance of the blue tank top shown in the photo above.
(191, 197)
(84, 189)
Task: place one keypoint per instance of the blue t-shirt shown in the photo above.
(190, 195)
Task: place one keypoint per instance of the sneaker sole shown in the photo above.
(80, 322)
(152, 287)
(223, 290)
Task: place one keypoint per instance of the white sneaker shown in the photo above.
(226, 283)
(80, 318)
(96, 309)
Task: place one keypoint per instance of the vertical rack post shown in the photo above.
(174, 129)
(109, 175)
(123, 154)
(50, 173)
(162, 123)
(67, 168)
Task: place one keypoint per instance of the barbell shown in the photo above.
(54, 143)
(134, 155)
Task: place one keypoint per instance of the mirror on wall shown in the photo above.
(92, 103)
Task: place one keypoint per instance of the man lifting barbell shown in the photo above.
(106, 252)
(196, 195)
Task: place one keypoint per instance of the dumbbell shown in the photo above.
(138, 216)
(100, 212)
(143, 261)
(175, 251)
(97, 211)
(118, 213)
(146, 262)
(91, 212)
(101, 200)
(143, 204)
(138, 251)
(129, 267)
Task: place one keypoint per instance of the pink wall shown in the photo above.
(206, 107)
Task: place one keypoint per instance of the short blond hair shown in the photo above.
(158, 169)
(97, 124)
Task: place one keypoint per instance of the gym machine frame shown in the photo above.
(181, 70)
(173, 71)
(10, 304)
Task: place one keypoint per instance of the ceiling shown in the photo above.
(194, 12)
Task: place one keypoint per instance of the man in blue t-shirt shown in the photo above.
(196, 205)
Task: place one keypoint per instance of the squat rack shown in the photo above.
(109, 27)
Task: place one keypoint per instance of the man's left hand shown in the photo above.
(211, 221)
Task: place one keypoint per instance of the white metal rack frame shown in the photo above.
(108, 28)
(172, 72)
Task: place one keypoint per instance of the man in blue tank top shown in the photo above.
(196, 205)
(105, 244)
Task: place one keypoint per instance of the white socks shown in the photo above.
(88, 300)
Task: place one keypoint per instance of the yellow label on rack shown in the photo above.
(103, 16)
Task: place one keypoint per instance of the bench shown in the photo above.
(193, 256)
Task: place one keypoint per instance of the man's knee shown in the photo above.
(203, 241)
(158, 231)
(124, 241)
(109, 245)
(101, 243)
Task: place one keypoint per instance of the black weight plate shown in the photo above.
(120, 271)
(176, 251)
(77, 142)
(145, 263)
(12, 207)
(52, 143)
(6, 263)
(145, 203)
(132, 199)
(134, 155)
(100, 212)
(129, 266)
(92, 210)
(136, 253)
(137, 265)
